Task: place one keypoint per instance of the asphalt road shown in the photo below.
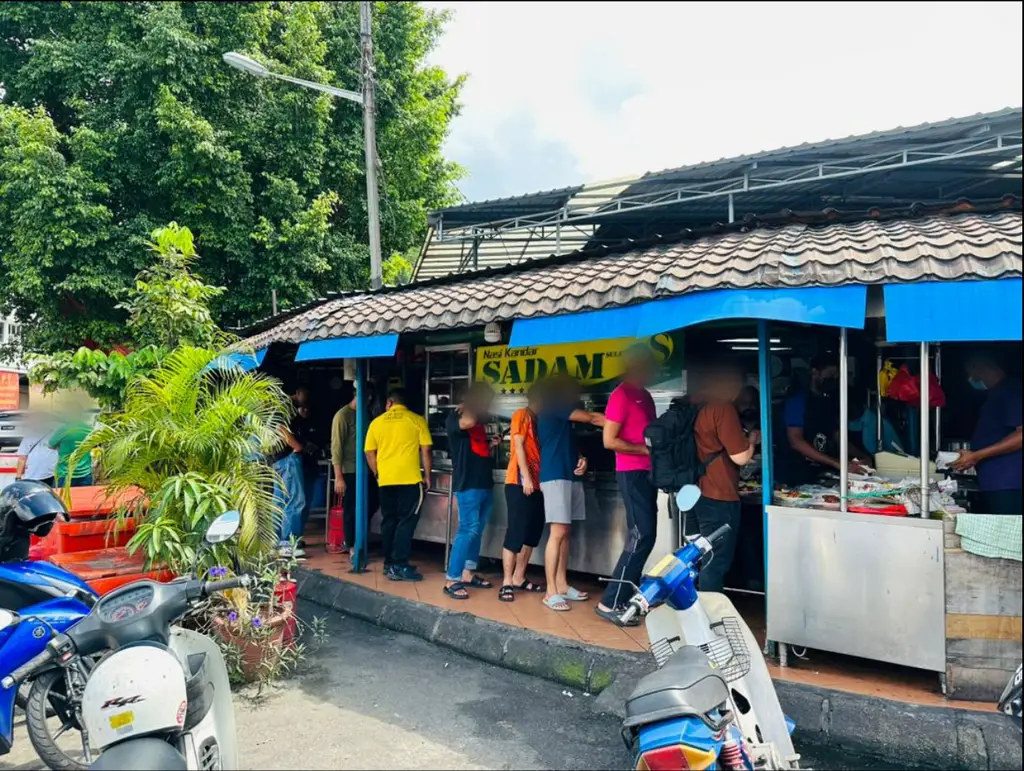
(371, 699)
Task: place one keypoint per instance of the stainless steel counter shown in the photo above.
(596, 542)
(858, 584)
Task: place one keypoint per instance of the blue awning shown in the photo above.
(576, 327)
(242, 361)
(348, 348)
(953, 311)
(840, 306)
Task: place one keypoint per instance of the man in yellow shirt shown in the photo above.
(396, 444)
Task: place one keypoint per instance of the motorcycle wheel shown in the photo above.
(48, 695)
(21, 701)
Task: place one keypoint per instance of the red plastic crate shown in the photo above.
(91, 534)
(92, 502)
(106, 569)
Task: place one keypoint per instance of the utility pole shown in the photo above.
(370, 140)
(273, 302)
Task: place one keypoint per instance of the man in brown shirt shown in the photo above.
(723, 444)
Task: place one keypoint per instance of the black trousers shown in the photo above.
(399, 515)
(348, 505)
(711, 515)
(1001, 502)
(641, 500)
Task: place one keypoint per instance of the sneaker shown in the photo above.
(402, 573)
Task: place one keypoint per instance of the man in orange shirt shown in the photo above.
(523, 499)
(724, 446)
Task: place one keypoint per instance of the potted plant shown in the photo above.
(258, 629)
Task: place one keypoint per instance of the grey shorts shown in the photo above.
(564, 502)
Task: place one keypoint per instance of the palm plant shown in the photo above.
(190, 436)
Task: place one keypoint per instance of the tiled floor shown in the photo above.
(581, 623)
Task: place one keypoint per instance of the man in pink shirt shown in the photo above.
(630, 409)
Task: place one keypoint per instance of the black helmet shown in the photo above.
(28, 507)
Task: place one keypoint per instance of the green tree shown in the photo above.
(119, 116)
(167, 308)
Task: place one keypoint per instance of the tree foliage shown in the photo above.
(119, 116)
(167, 308)
(186, 436)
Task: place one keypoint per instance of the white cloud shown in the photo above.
(571, 92)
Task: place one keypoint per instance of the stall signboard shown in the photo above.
(10, 390)
(595, 363)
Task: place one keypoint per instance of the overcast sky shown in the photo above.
(561, 93)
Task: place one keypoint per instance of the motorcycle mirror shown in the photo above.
(223, 527)
(687, 497)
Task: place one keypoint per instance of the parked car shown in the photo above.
(12, 430)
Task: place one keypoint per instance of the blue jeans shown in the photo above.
(290, 496)
(474, 513)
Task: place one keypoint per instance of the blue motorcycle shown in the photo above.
(37, 601)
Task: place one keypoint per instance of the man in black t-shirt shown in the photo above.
(473, 485)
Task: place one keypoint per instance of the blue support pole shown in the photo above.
(764, 367)
(359, 558)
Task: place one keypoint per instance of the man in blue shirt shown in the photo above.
(996, 443)
(812, 427)
(561, 471)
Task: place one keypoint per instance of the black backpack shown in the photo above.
(672, 444)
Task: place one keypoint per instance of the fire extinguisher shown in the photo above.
(335, 530)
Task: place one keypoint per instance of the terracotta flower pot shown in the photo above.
(266, 647)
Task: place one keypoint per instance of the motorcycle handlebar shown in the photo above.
(211, 587)
(719, 534)
(27, 669)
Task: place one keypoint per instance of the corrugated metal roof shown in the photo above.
(625, 209)
(829, 248)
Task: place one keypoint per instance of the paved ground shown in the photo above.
(370, 699)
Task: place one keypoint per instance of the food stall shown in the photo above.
(598, 541)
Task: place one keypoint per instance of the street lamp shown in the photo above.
(253, 67)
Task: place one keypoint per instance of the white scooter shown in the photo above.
(712, 703)
(161, 699)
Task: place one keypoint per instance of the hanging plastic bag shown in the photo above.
(885, 377)
(906, 388)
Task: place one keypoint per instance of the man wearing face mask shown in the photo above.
(996, 444)
(812, 426)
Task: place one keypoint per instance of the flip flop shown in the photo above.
(480, 583)
(575, 595)
(457, 591)
(529, 586)
(507, 593)
(557, 603)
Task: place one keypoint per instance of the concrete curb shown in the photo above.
(911, 733)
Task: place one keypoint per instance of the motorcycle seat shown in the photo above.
(145, 754)
(687, 686)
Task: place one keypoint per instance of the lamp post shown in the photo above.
(253, 67)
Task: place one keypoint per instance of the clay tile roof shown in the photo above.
(958, 241)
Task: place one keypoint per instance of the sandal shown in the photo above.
(615, 617)
(529, 586)
(480, 583)
(557, 603)
(575, 595)
(457, 591)
(507, 593)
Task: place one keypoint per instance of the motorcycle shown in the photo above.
(1010, 701)
(161, 698)
(711, 704)
(37, 600)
